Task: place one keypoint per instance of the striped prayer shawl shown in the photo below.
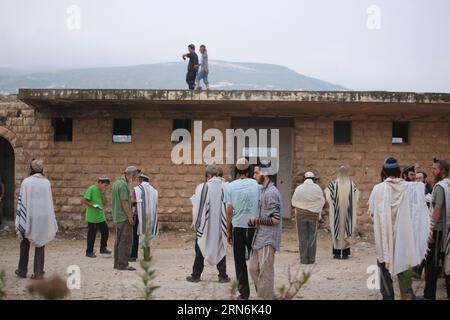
(348, 214)
(147, 209)
(202, 219)
(203, 212)
(35, 215)
(211, 221)
(21, 214)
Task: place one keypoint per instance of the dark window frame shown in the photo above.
(399, 132)
(182, 123)
(122, 130)
(62, 129)
(339, 140)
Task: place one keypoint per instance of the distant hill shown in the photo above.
(223, 75)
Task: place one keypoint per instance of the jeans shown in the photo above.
(199, 263)
(242, 247)
(202, 74)
(92, 233)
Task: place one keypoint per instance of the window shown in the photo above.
(342, 132)
(181, 124)
(122, 130)
(400, 132)
(62, 129)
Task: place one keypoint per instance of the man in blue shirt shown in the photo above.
(204, 69)
(242, 201)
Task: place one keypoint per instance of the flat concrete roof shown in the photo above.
(231, 95)
(264, 102)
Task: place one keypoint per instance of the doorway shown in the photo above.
(283, 178)
(7, 178)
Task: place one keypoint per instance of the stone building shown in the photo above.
(82, 134)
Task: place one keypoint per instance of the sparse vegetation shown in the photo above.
(2, 285)
(403, 282)
(146, 264)
(234, 287)
(295, 283)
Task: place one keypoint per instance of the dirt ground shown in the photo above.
(173, 257)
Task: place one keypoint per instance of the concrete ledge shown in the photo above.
(28, 95)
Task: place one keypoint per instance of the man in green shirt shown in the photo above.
(123, 218)
(95, 200)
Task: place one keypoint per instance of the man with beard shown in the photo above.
(268, 234)
(409, 174)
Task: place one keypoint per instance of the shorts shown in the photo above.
(202, 74)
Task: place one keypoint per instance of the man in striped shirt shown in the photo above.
(268, 234)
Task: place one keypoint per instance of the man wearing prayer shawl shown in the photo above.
(210, 222)
(439, 243)
(401, 226)
(308, 200)
(342, 197)
(145, 196)
(35, 219)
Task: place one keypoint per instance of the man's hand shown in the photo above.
(183, 56)
(131, 220)
(430, 236)
(109, 216)
(252, 222)
(229, 238)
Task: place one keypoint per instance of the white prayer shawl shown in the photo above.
(401, 223)
(35, 215)
(195, 200)
(147, 209)
(445, 184)
(211, 220)
(308, 196)
(343, 212)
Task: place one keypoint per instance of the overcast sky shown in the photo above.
(399, 45)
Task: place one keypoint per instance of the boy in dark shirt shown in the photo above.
(192, 66)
